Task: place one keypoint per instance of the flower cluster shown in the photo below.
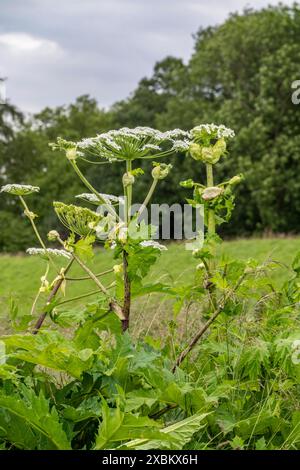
(19, 189)
(212, 131)
(128, 144)
(160, 171)
(50, 251)
(209, 142)
(93, 199)
(80, 220)
(153, 244)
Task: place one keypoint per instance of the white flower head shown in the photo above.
(181, 145)
(211, 192)
(50, 251)
(93, 199)
(212, 131)
(153, 244)
(19, 189)
(127, 144)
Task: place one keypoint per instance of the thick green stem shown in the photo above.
(91, 274)
(127, 293)
(27, 212)
(211, 230)
(82, 296)
(205, 327)
(93, 190)
(53, 293)
(127, 194)
(86, 278)
(39, 292)
(113, 304)
(211, 226)
(148, 197)
(127, 283)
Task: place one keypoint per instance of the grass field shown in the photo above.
(20, 274)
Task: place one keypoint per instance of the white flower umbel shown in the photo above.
(212, 131)
(50, 251)
(19, 189)
(153, 244)
(128, 144)
(93, 199)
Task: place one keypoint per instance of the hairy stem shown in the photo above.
(211, 226)
(39, 293)
(205, 327)
(109, 207)
(82, 296)
(27, 212)
(127, 283)
(53, 293)
(113, 305)
(85, 278)
(127, 293)
(148, 197)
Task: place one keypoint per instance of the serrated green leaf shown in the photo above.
(27, 420)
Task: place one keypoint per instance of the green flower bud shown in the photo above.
(219, 148)
(211, 193)
(53, 235)
(208, 155)
(200, 266)
(71, 153)
(118, 268)
(212, 154)
(195, 151)
(161, 171)
(187, 184)
(236, 180)
(128, 179)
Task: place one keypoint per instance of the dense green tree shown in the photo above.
(240, 74)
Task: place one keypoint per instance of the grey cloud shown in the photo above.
(104, 47)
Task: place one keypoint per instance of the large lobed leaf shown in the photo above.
(27, 422)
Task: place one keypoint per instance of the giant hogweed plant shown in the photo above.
(94, 388)
(124, 233)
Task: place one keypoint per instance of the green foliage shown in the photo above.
(27, 422)
(240, 73)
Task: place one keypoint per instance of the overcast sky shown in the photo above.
(52, 51)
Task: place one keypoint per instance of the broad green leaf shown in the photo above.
(26, 420)
(179, 433)
(84, 247)
(50, 349)
(119, 426)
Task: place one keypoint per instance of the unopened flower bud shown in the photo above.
(195, 151)
(200, 266)
(161, 171)
(187, 184)
(211, 193)
(71, 153)
(219, 149)
(207, 155)
(128, 179)
(53, 235)
(235, 180)
(118, 268)
(123, 235)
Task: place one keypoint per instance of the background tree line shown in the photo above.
(239, 74)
